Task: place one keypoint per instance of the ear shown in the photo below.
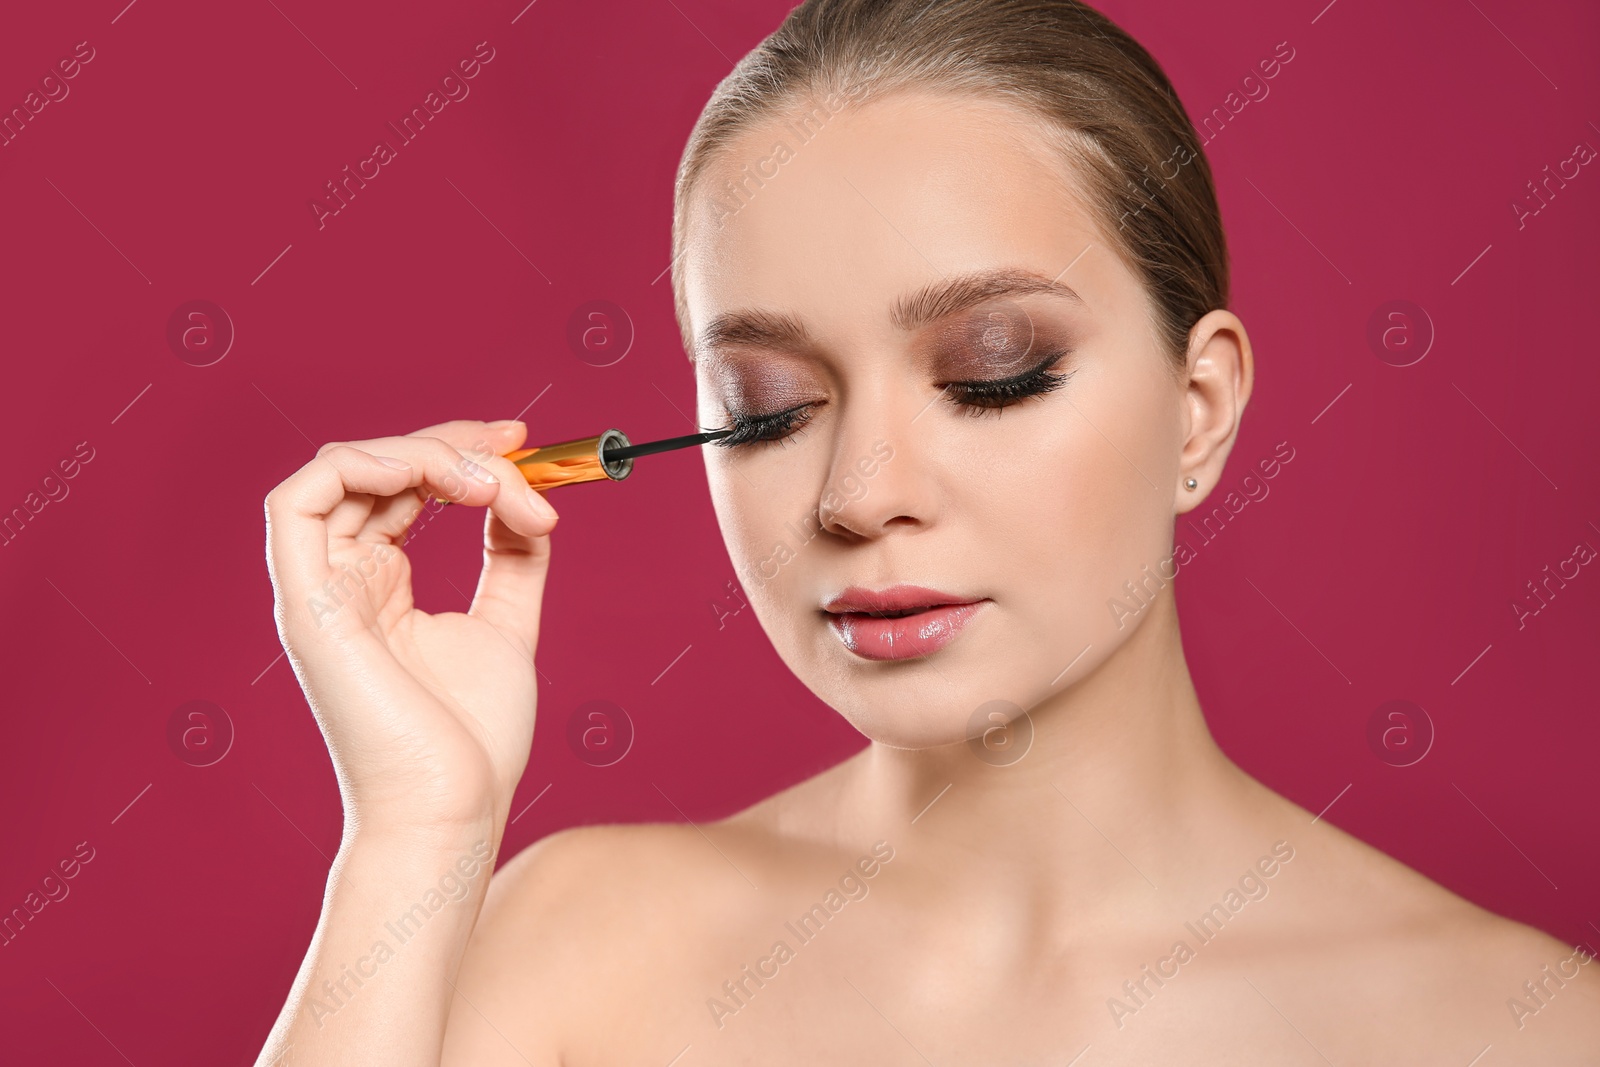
(1221, 373)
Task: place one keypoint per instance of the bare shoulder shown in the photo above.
(593, 916)
(1367, 936)
(583, 909)
(561, 885)
(571, 892)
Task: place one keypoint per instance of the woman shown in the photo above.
(955, 276)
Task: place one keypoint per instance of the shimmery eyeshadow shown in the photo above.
(996, 341)
(766, 384)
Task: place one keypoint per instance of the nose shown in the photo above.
(881, 479)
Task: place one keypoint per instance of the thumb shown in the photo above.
(511, 587)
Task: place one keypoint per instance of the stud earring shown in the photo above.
(1190, 483)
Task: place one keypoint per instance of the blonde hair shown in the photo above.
(1142, 167)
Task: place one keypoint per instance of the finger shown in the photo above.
(478, 438)
(467, 435)
(482, 443)
(351, 515)
(511, 587)
(480, 461)
(298, 508)
(525, 510)
(489, 449)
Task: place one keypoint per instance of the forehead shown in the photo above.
(835, 223)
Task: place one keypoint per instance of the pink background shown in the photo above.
(1383, 565)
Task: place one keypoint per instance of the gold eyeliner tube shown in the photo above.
(569, 462)
(607, 456)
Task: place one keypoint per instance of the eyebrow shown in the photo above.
(939, 299)
(757, 329)
(784, 332)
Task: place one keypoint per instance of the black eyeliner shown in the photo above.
(750, 429)
(1033, 382)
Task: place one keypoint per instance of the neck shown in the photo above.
(1122, 791)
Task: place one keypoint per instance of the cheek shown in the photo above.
(767, 524)
(1089, 508)
(769, 532)
(738, 519)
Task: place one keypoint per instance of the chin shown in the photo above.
(912, 706)
(925, 727)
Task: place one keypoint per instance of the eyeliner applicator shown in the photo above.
(609, 455)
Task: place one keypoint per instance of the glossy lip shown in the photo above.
(894, 598)
(857, 617)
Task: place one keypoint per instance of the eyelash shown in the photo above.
(976, 398)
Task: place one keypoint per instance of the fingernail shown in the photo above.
(503, 424)
(540, 504)
(475, 471)
(390, 461)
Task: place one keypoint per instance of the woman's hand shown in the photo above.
(428, 718)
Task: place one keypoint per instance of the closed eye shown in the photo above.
(976, 398)
(984, 395)
(754, 429)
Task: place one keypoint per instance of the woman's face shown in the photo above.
(913, 246)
